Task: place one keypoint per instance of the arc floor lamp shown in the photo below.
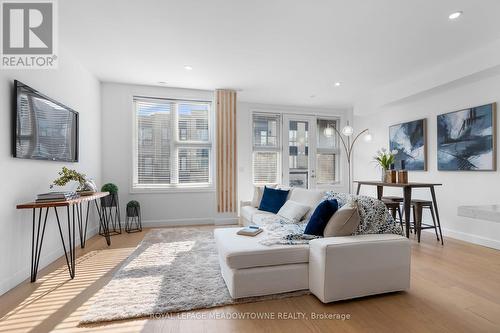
(345, 136)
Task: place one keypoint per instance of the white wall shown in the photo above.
(459, 188)
(244, 132)
(75, 87)
(157, 208)
(177, 208)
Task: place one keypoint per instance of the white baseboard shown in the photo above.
(470, 238)
(45, 260)
(189, 222)
(227, 221)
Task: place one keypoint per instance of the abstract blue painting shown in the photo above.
(466, 139)
(409, 140)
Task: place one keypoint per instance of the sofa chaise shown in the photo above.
(332, 268)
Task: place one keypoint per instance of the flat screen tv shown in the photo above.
(44, 129)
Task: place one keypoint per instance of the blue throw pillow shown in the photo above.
(272, 199)
(321, 216)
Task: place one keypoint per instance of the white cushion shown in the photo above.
(309, 198)
(357, 266)
(258, 191)
(258, 281)
(247, 212)
(262, 217)
(344, 222)
(293, 211)
(252, 215)
(244, 252)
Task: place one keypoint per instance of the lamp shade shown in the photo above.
(328, 132)
(347, 130)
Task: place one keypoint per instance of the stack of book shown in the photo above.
(56, 196)
(251, 230)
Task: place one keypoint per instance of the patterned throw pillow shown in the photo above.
(374, 216)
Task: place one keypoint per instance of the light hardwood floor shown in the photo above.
(455, 288)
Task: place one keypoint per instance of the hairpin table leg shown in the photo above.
(103, 222)
(82, 226)
(69, 253)
(37, 242)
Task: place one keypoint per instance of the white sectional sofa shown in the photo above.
(333, 268)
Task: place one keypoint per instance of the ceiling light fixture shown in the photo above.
(337, 84)
(188, 68)
(455, 15)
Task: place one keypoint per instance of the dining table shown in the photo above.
(407, 196)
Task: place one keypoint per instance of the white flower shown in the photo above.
(394, 151)
(383, 150)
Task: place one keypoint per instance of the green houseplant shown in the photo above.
(384, 159)
(133, 208)
(68, 175)
(109, 187)
(112, 199)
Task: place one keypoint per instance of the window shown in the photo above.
(173, 143)
(327, 152)
(310, 148)
(266, 148)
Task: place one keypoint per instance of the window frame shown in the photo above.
(175, 145)
(340, 171)
(264, 149)
(335, 150)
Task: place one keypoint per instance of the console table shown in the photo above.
(74, 211)
(407, 189)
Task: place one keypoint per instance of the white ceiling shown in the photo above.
(277, 52)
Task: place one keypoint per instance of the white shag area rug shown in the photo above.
(172, 270)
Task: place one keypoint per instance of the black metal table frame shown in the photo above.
(69, 253)
(407, 196)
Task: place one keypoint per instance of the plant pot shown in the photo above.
(383, 175)
(391, 176)
(133, 211)
(110, 200)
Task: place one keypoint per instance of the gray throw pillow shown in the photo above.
(344, 222)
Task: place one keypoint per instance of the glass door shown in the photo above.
(298, 146)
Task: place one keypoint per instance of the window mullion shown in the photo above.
(174, 163)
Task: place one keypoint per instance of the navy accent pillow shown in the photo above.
(272, 199)
(321, 216)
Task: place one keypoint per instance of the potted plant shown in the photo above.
(385, 159)
(112, 199)
(85, 185)
(133, 217)
(133, 208)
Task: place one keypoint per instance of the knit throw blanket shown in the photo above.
(374, 219)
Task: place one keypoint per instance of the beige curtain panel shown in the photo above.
(226, 150)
